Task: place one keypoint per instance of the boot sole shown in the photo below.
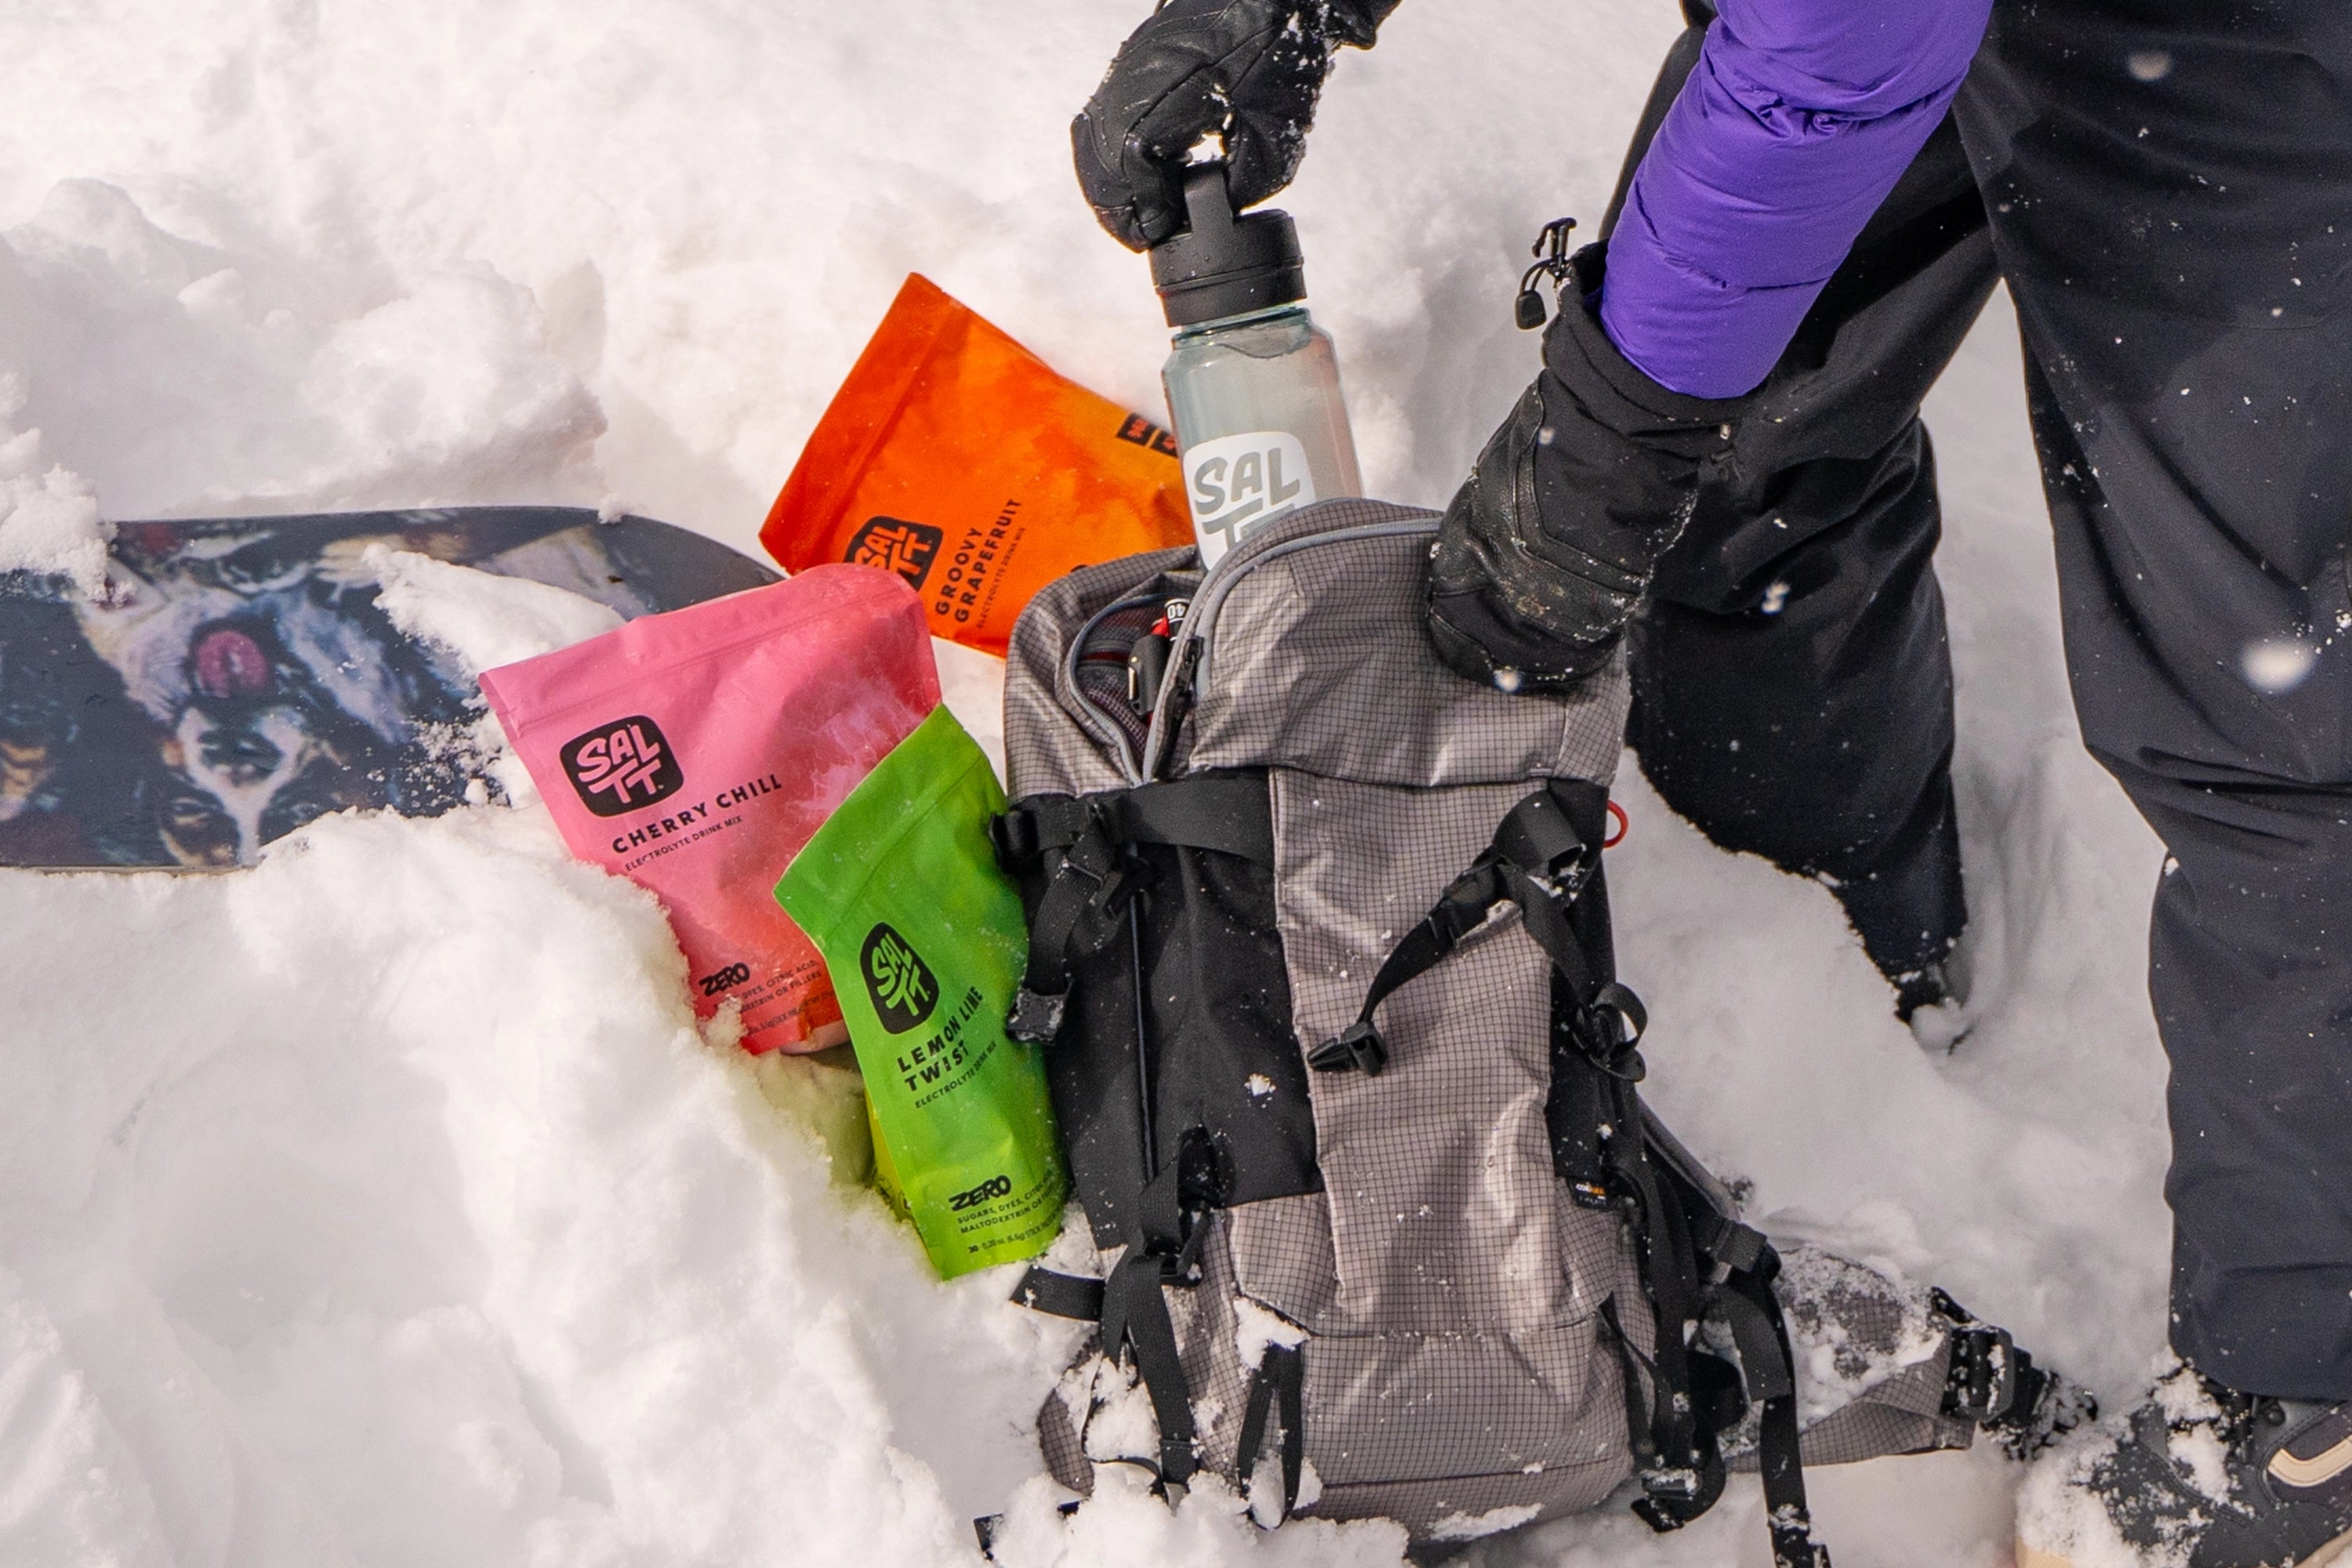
(2031, 1557)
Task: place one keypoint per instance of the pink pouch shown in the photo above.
(695, 752)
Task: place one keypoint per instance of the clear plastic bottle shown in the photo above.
(1252, 383)
(1259, 420)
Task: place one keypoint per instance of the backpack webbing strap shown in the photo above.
(1631, 1364)
(1679, 1228)
(1282, 1375)
(1539, 861)
(1086, 845)
(1135, 1316)
(1763, 1339)
(1169, 1228)
(1684, 1476)
(1072, 1296)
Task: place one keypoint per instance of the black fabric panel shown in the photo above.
(1220, 1015)
(1217, 1013)
(1092, 1071)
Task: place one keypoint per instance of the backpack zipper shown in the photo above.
(1188, 656)
(1107, 733)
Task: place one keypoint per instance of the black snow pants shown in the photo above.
(2167, 186)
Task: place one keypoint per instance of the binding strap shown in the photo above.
(1086, 845)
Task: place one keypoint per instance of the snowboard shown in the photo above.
(237, 678)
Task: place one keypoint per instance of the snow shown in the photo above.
(1258, 1327)
(1473, 1527)
(482, 620)
(49, 520)
(381, 1204)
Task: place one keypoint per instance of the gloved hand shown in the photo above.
(1548, 547)
(1245, 73)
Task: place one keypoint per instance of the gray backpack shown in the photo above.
(1320, 958)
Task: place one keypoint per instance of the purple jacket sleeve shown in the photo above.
(1797, 121)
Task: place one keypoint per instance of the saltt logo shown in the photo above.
(1237, 482)
(894, 545)
(1142, 432)
(623, 767)
(903, 988)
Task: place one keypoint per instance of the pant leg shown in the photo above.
(2170, 186)
(1792, 688)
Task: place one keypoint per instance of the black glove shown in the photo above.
(1548, 547)
(1245, 71)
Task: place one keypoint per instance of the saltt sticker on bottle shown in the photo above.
(1236, 482)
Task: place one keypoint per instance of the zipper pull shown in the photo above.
(1550, 252)
(1147, 663)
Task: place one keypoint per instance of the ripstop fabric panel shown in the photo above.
(1319, 663)
(1451, 1298)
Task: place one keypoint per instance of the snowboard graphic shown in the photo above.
(240, 679)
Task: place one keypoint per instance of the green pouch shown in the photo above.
(900, 890)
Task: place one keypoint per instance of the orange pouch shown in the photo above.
(955, 458)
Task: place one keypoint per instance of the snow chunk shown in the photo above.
(49, 521)
(1850, 1328)
(50, 524)
(1121, 1423)
(2193, 1422)
(2059, 1514)
(1475, 1527)
(481, 618)
(1123, 1525)
(1255, 1327)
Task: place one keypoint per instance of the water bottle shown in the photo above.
(1252, 383)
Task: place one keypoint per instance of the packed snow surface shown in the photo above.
(382, 1206)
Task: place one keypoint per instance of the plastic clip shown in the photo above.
(1357, 1049)
(1551, 251)
(1036, 1016)
(1013, 837)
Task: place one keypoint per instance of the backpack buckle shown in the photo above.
(1013, 836)
(1670, 1497)
(1357, 1049)
(1613, 1023)
(1036, 1016)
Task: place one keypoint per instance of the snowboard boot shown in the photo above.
(2200, 1477)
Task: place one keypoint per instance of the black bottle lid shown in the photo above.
(1223, 265)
